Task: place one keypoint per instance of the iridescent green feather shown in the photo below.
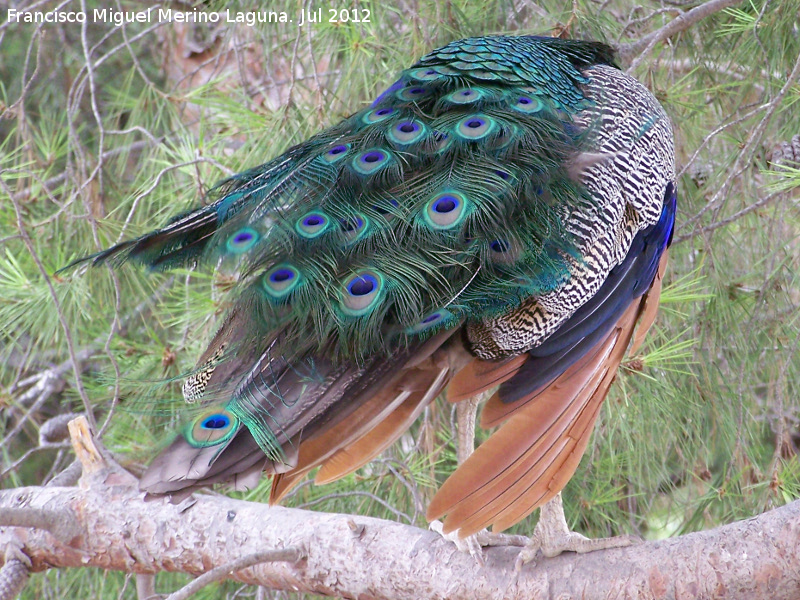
(442, 202)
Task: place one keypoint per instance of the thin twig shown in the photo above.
(221, 572)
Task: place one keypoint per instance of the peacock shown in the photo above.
(498, 217)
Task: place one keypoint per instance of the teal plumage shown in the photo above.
(470, 211)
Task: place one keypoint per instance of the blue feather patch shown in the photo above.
(281, 280)
(362, 292)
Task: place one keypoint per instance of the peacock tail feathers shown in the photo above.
(469, 211)
(443, 200)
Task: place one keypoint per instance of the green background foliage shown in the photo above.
(107, 131)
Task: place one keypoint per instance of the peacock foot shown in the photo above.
(476, 542)
(552, 536)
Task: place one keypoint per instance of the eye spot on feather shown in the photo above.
(406, 132)
(212, 427)
(465, 96)
(425, 74)
(499, 246)
(377, 115)
(280, 280)
(312, 225)
(412, 94)
(242, 240)
(446, 210)
(336, 153)
(371, 161)
(362, 292)
(502, 251)
(434, 319)
(216, 422)
(475, 127)
(527, 105)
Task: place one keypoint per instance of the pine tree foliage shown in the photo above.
(107, 130)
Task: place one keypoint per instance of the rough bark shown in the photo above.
(106, 523)
(360, 557)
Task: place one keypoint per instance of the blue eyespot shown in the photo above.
(475, 127)
(363, 285)
(527, 104)
(371, 161)
(406, 132)
(216, 422)
(336, 153)
(354, 227)
(376, 115)
(412, 94)
(437, 317)
(361, 293)
(499, 246)
(446, 210)
(312, 224)
(280, 280)
(465, 96)
(212, 427)
(242, 240)
(372, 157)
(425, 74)
(282, 275)
(503, 251)
(445, 204)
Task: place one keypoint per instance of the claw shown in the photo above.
(468, 544)
(474, 543)
(552, 536)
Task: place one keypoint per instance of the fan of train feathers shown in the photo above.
(498, 216)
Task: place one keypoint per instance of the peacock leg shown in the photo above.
(552, 536)
(466, 412)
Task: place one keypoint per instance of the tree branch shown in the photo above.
(642, 47)
(758, 558)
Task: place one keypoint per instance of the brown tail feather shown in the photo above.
(479, 375)
(515, 449)
(568, 385)
(537, 450)
(318, 448)
(563, 468)
(351, 457)
(350, 443)
(650, 306)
